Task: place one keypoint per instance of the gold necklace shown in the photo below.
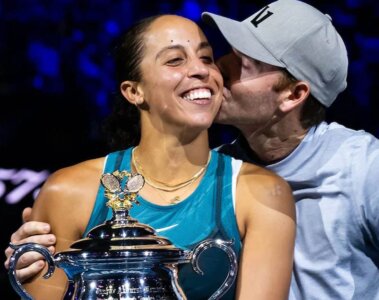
(164, 186)
(173, 200)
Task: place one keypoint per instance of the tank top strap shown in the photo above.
(225, 219)
(219, 197)
(222, 179)
(218, 230)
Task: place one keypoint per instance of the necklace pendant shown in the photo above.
(175, 200)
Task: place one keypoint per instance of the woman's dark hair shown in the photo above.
(122, 127)
(312, 112)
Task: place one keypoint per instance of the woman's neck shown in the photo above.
(169, 160)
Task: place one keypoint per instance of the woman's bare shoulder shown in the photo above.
(78, 174)
(259, 189)
(69, 193)
(259, 177)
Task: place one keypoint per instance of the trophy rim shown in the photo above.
(133, 254)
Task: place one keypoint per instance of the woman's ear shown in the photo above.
(132, 92)
(296, 95)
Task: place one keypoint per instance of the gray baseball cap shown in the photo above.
(293, 35)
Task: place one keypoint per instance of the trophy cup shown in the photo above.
(122, 258)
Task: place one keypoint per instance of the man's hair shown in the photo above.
(312, 112)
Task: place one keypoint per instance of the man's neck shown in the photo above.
(275, 143)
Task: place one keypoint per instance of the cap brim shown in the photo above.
(241, 38)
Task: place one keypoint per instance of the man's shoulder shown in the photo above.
(336, 130)
(337, 137)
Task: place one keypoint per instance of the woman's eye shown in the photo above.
(207, 59)
(174, 61)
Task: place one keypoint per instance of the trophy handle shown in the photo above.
(226, 247)
(20, 250)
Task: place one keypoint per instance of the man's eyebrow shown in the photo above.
(201, 46)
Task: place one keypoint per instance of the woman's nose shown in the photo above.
(198, 69)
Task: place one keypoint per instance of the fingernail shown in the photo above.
(40, 264)
(46, 228)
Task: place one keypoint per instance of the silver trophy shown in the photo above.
(122, 258)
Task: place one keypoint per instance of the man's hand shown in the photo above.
(30, 263)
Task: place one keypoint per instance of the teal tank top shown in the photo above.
(207, 213)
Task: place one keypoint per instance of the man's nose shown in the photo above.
(226, 92)
(222, 64)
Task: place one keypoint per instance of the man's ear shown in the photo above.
(132, 92)
(297, 94)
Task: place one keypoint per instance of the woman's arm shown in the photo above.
(65, 202)
(266, 218)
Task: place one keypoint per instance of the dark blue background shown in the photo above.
(56, 82)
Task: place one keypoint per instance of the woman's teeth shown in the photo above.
(197, 94)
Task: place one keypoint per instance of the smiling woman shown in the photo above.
(171, 86)
(177, 65)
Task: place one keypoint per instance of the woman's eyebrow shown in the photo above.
(203, 45)
(164, 49)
